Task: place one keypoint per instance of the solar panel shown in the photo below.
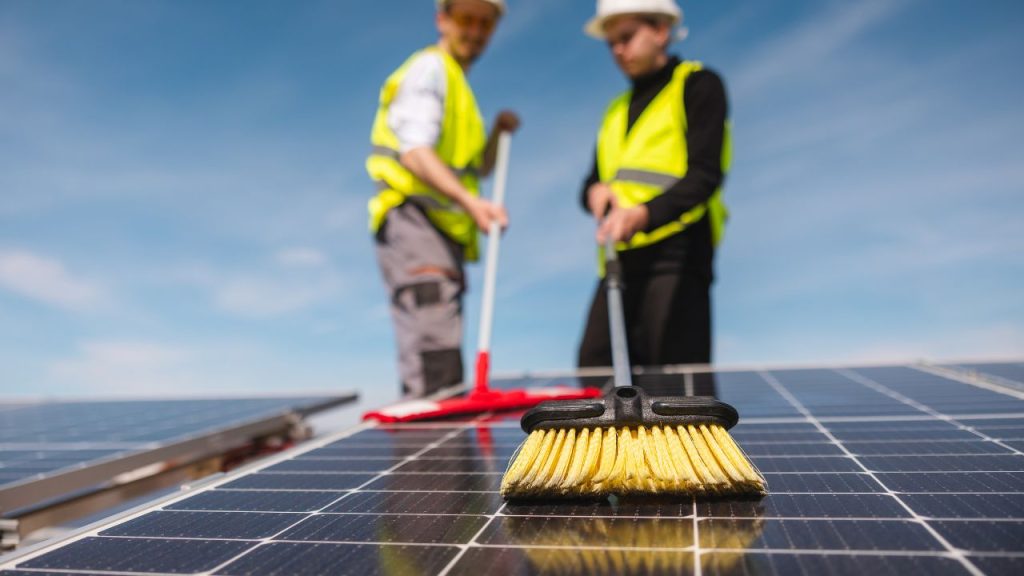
(1006, 373)
(49, 449)
(870, 469)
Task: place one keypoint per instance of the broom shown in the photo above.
(629, 442)
(482, 398)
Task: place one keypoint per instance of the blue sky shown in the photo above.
(182, 194)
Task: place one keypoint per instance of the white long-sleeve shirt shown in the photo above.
(417, 111)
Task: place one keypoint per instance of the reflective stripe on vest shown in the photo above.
(642, 163)
(460, 146)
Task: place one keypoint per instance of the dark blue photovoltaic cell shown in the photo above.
(396, 528)
(300, 559)
(258, 501)
(940, 482)
(999, 565)
(297, 481)
(418, 503)
(440, 482)
(780, 505)
(332, 465)
(716, 564)
(862, 474)
(967, 506)
(998, 536)
(141, 555)
(889, 535)
(805, 464)
(221, 525)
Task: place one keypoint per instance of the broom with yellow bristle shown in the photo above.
(629, 442)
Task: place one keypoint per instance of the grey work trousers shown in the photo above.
(423, 272)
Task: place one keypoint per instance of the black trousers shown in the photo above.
(668, 320)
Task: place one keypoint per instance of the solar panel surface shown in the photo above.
(39, 440)
(1008, 373)
(880, 470)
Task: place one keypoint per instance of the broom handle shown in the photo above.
(483, 346)
(616, 317)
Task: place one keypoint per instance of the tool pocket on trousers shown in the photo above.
(441, 368)
(426, 294)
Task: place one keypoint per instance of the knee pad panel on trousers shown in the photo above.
(426, 293)
(441, 368)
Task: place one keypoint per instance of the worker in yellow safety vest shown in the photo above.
(655, 187)
(429, 151)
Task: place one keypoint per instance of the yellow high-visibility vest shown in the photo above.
(642, 164)
(460, 146)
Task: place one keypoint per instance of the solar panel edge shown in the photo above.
(33, 491)
(9, 561)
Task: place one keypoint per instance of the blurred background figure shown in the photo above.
(655, 188)
(430, 150)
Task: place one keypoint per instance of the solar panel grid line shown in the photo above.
(370, 426)
(958, 555)
(467, 546)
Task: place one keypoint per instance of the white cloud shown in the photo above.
(298, 280)
(302, 257)
(47, 280)
(262, 296)
(123, 367)
(810, 42)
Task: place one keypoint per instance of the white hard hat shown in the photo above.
(608, 8)
(499, 4)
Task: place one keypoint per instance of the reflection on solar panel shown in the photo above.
(43, 445)
(871, 470)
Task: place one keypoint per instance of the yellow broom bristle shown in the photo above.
(695, 459)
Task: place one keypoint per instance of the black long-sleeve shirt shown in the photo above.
(706, 111)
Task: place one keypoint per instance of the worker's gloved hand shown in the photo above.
(622, 223)
(506, 121)
(484, 212)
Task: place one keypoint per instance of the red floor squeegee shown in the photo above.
(482, 398)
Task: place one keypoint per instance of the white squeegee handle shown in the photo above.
(493, 243)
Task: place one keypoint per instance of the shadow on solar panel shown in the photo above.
(624, 545)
